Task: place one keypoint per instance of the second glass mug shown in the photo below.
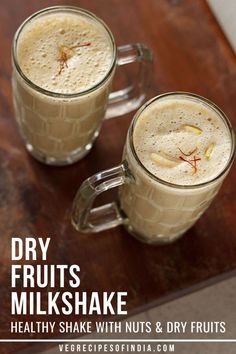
(151, 209)
(59, 129)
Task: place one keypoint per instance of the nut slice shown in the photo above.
(163, 161)
(209, 151)
(193, 129)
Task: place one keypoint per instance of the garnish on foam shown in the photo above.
(209, 151)
(65, 53)
(164, 161)
(189, 153)
(191, 162)
(193, 129)
(168, 161)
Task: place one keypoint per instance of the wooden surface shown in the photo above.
(190, 54)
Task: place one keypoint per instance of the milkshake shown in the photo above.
(177, 152)
(63, 67)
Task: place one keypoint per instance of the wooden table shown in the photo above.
(190, 54)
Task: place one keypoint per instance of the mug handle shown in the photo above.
(87, 219)
(131, 97)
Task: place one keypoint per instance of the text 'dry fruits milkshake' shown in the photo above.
(66, 58)
(177, 151)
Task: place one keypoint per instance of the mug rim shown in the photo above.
(52, 9)
(210, 104)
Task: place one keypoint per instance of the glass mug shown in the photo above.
(151, 209)
(59, 129)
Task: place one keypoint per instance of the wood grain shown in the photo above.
(190, 54)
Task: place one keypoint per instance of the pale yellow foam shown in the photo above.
(160, 129)
(39, 52)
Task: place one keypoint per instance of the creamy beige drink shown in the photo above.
(178, 151)
(65, 60)
(177, 147)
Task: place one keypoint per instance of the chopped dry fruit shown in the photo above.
(163, 161)
(65, 53)
(193, 129)
(209, 151)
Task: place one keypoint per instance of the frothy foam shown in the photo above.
(170, 129)
(39, 52)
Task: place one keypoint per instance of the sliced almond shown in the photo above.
(209, 151)
(67, 52)
(193, 129)
(163, 161)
